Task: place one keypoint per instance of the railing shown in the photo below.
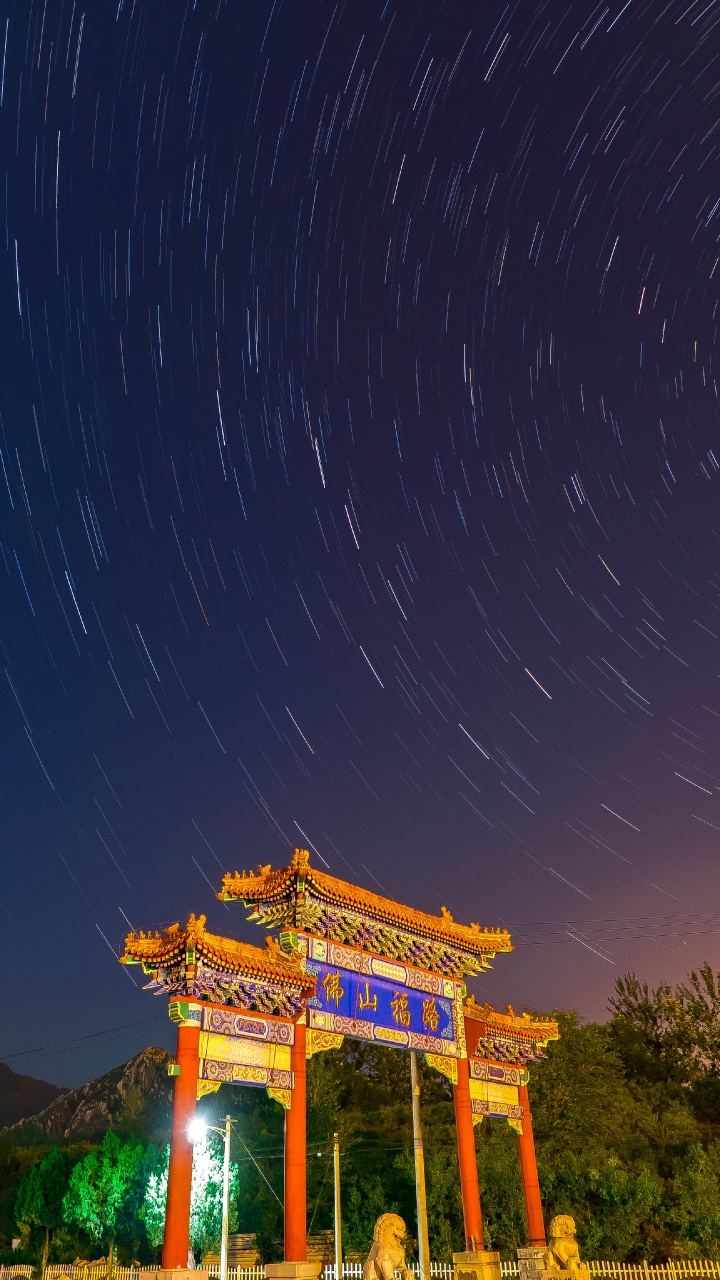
(672, 1270)
(354, 1270)
(676, 1269)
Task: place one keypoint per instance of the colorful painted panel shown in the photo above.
(230, 1023)
(249, 1052)
(239, 1073)
(496, 1100)
(358, 961)
(369, 998)
(500, 1074)
(510, 1111)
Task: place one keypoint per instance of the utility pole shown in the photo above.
(225, 1202)
(338, 1219)
(423, 1243)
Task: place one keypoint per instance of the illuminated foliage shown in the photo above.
(103, 1195)
(206, 1202)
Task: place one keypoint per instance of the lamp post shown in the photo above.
(422, 1222)
(338, 1217)
(196, 1132)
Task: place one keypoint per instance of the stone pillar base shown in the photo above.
(531, 1262)
(176, 1273)
(481, 1265)
(560, 1273)
(292, 1270)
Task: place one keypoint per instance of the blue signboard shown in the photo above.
(381, 1003)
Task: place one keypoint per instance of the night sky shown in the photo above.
(359, 483)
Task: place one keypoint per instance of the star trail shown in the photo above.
(360, 454)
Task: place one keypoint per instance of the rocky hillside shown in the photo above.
(22, 1096)
(134, 1095)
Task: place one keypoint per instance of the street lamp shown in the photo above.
(196, 1132)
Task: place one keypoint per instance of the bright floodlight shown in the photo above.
(197, 1130)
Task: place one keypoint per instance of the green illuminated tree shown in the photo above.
(104, 1191)
(206, 1197)
(40, 1196)
(152, 1209)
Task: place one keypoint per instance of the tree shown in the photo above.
(103, 1195)
(500, 1188)
(700, 1001)
(696, 1210)
(205, 1202)
(599, 1144)
(40, 1196)
(669, 1044)
(580, 1100)
(652, 1032)
(152, 1209)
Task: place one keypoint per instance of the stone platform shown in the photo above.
(482, 1264)
(580, 1272)
(176, 1273)
(531, 1262)
(292, 1270)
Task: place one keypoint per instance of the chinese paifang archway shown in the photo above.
(346, 962)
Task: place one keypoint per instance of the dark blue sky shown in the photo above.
(359, 485)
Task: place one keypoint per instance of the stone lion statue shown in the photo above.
(562, 1252)
(387, 1254)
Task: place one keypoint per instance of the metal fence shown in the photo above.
(678, 1269)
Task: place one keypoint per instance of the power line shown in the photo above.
(703, 917)
(615, 928)
(617, 937)
(91, 1037)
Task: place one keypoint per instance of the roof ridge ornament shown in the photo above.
(192, 963)
(301, 897)
(535, 1024)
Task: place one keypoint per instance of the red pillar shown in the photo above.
(295, 1155)
(528, 1166)
(177, 1212)
(467, 1160)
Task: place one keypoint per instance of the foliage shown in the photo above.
(500, 1189)
(649, 1030)
(625, 1116)
(580, 1100)
(105, 1190)
(16, 1159)
(700, 1003)
(696, 1209)
(206, 1196)
(40, 1196)
(152, 1209)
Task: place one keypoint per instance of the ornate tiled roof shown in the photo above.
(276, 895)
(193, 945)
(508, 1036)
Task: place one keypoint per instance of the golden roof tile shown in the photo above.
(268, 886)
(268, 963)
(539, 1029)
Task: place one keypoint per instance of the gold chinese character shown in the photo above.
(400, 1011)
(367, 1001)
(333, 990)
(430, 1015)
